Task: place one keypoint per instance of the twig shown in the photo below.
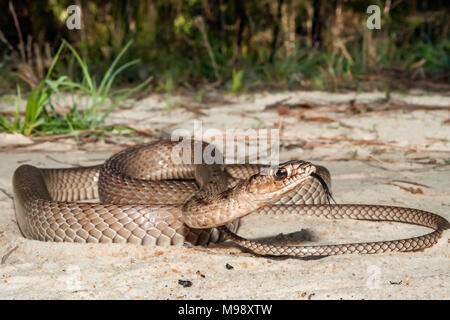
(276, 104)
(379, 143)
(5, 41)
(201, 26)
(6, 193)
(62, 162)
(19, 31)
(39, 61)
(6, 256)
(413, 183)
(194, 110)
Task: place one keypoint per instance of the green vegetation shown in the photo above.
(278, 44)
(199, 45)
(41, 115)
(236, 80)
(34, 109)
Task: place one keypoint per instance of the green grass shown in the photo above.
(236, 81)
(41, 116)
(36, 102)
(174, 50)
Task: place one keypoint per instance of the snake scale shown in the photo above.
(148, 199)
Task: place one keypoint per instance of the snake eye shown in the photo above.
(281, 173)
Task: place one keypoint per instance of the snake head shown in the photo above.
(207, 211)
(280, 180)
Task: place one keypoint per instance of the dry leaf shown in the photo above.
(283, 110)
(411, 189)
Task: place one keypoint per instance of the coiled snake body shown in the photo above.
(148, 199)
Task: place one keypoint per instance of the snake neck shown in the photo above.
(211, 210)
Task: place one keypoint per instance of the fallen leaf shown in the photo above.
(283, 110)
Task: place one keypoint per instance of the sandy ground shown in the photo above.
(377, 152)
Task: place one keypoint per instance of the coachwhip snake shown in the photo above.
(147, 199)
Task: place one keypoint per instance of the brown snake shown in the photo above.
(147, 199)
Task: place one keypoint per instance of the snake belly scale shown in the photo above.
(148, 199)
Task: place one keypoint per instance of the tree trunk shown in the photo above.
(316, 23)
(276, 31)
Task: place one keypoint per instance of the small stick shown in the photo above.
(6, 193)
(6, 256)
(19, 31)
(201, 26)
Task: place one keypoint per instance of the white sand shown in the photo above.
(416, 148)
